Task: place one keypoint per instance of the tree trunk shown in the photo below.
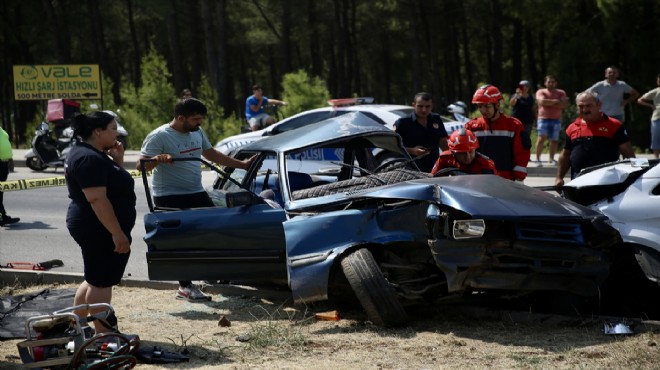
(272, 71)
(226, 90)
(416, 59)
(354, 60)
(456, 76)
(432, 37)
(343, 54)
(516, 53)
(385, 62)
(467, 55)
(58, 32)
(99, 50)
(543, 58)
(314, 40)
(209, 37)
(136, 54)
(531, 58)
(286, 36)
(177, 65)
(496, 34)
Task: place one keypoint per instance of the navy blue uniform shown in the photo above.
(414, 134)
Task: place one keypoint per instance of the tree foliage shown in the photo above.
(303, 92)
(389, 49)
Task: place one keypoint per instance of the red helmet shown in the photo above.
(462, 140)
(487, 94)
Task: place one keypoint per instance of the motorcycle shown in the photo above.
(459, 111)
(48, 151)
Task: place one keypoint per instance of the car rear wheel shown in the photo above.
(372, 289)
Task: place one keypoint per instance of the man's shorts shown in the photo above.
(259, 121)
(549, 128)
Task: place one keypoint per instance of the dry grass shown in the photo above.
(273, 334)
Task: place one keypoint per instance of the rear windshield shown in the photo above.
(403, 112)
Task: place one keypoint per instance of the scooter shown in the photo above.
(459, 111)
(47, 151)
(52, 152)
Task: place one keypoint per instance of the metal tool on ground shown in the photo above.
(63, 340)
(40, 266)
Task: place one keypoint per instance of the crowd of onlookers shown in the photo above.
(498, 143)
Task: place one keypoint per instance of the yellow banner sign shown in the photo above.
(65, 81)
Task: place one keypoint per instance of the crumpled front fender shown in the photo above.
(315, 242)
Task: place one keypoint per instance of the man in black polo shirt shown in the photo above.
(423, 133)
(592, 139)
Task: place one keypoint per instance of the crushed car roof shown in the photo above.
(344, 127)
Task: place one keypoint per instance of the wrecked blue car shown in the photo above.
(375, 228)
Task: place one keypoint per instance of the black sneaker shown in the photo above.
(7, 220)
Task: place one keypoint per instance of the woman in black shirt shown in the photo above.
(102, 212)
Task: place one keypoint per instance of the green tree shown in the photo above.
(215, 126)
(151, 104)
(303, 92)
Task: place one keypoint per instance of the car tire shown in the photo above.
(371, 288)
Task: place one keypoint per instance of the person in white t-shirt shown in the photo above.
(611, 92)
(652, 100)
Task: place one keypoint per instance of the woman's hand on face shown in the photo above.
(117, 151)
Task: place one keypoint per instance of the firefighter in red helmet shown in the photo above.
(501, 138)
(462, 155)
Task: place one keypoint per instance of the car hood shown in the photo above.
(237, 141)
(482, 196)
(611, 174)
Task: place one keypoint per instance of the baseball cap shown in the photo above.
(523, 82)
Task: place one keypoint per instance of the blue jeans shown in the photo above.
(549, 128)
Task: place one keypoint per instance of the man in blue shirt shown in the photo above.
(254, 109)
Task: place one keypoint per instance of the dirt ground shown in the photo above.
(271, 333)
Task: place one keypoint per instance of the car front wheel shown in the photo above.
(372, 289)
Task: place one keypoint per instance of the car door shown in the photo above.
(240, 242)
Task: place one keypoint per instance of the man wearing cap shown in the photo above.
(522, 103)
(552, 102)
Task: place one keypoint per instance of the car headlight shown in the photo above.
(464, 229)
(432, 219)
